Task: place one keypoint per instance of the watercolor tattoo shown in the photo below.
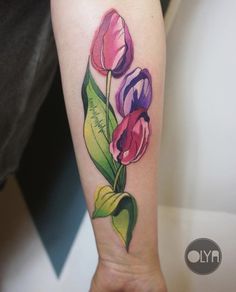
(113, 145)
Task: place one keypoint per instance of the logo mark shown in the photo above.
(203, 256)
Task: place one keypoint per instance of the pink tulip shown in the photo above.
(130, 138)
(112, 47)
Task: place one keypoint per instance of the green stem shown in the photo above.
(117, 177)
(108, 92)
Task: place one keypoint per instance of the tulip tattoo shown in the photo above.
(112, 146)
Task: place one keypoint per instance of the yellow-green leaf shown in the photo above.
(106, 201)
(95, 134)
(121, 207)
(124, 219)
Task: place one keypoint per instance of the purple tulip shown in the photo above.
(135, 92)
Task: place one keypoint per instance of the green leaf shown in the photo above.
(124, 219)
(95, 134)
(123, 209)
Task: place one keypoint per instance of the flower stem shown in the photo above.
(108, 92)
(117, 177)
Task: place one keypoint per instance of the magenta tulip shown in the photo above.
(130, 138)
(112, 47)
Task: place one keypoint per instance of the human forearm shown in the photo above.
(74, 25)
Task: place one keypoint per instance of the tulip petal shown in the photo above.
(143, 143)
(127, 58)
(114, 45)
(97, 57)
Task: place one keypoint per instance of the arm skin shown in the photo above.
(74, 24)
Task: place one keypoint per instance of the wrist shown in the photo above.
(128, 276)
(137, 260)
